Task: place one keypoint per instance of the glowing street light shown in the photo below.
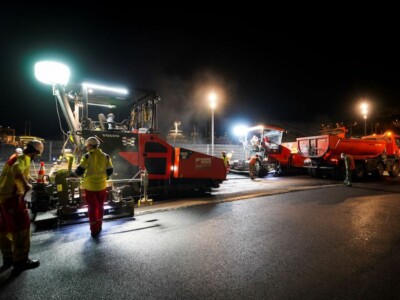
(364, 111)
(213, 103)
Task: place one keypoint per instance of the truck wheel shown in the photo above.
(262, 172)
(378, 172)
(360, 172)
(313, 173)
(338, 174)
(395, 170)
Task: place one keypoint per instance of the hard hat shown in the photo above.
(223, 152)
(342, 155)
(92, 141)
(18, 151)
(37, 145)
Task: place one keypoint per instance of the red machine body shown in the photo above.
(169, 169)
(288, 156)
(191, 164)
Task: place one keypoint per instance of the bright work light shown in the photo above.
(105, 88)
(50, 72)
(240, 130)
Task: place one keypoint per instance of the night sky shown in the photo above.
(265, 65)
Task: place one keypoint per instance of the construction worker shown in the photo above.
(252, 165)
(14, 216)
(225, 158)
(265, 143)
(255, 143)
(350, 167)
(96, 166)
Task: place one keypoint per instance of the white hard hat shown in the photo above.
(18, 151)
(37, 145)
(92, 141)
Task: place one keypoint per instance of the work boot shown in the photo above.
(26, 264)
(96, 231)
(94, 234)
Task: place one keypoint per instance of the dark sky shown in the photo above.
(312, 65)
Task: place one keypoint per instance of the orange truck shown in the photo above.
(372, 154)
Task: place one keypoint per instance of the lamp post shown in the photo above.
(364, 111)
(212, 98)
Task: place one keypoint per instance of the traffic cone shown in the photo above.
(41, 173)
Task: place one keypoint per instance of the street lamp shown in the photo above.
(364, 111)
(213, 103)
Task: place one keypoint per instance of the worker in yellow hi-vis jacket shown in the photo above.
(96, 166)
(14, 216)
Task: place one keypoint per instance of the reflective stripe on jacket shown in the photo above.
(95, 163)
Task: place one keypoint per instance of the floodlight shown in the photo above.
(50, 72)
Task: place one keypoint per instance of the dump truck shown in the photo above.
(372, 154)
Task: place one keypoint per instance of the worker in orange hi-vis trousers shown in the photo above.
(96, 166)
(252, 165)
(14, 216)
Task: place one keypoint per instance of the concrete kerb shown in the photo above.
(177, 204)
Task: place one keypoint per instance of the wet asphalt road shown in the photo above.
(314, 240)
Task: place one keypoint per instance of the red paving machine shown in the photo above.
(372, 154)
(134, 144)
(277, 158)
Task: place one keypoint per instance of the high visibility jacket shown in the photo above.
(226, 160)
(8, 181)
(97, 166)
